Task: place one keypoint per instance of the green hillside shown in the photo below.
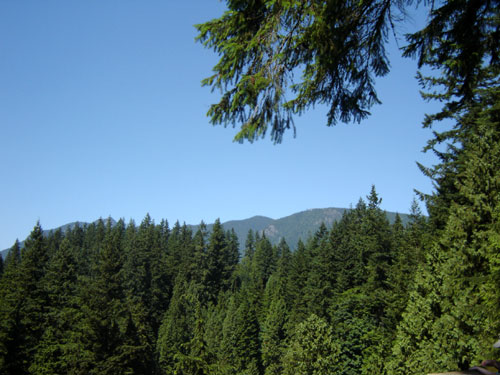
(297, 226)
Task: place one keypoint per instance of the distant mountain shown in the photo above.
(291, 228)
(62, 228)
(297, 226)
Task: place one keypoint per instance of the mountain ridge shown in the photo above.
(299, 225)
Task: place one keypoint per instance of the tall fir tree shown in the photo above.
(313, 350)
(60, 284)
(32, 306)
(11, 330)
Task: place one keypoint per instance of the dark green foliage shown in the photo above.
(32, 297)
(213, 333)
(105, 335)
(451, 319)
(147, 300)
(337, 46)
(61, 309)
(320, 278)
(241, 345)
(461, 41)
(457, 292)
(363, 296)
(264, 262)
(176, 330)
(218, 265)
(273, 335)
(296, 282)
(198, 361)
(11, 335)
(313, 350)
(250, 245)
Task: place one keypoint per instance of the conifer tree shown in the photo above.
(213, 335)
(340, 48)
(273, 335)
(60, 283)
(142, 274)
(347, 254)
(264, 262)
(241, 344)
(243, 271)
(296, 282)
(457, 317)
(176, 330)
(313, 350)
(11, 333)
(284, 268)
(105, 336)
(217, 265)
(199, 263)
(321, 276)
(232, 257)
(33, 302)
(250, 245)
(198, 360)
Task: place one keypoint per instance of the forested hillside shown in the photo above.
(297, 226)
(438, 308)
(150, 299)
(360, 296)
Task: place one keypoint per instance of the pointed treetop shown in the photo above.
(146, 222)
(373, 199)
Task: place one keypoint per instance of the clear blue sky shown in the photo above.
(102, 114)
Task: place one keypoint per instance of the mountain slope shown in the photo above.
(292, 228)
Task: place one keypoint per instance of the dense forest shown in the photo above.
(363, 296)
(147, 299)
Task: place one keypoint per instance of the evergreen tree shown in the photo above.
(199, 264)
(198, 361)
(176, 330)
(261, 43)
(312, 350)
(354, 328)
(243, 270)
(409, 244)
(456, 290)
(241, 345)
(217, 264)
(273, 336)
(340, 48)
(213, 335)
(321, 276)
(250, 245)
(142, 274)
(11, 330)
(60, 284)
(105, 337)
(296, 281)
(263, 263)
(347, 254)
(33, 296)
(231, 257)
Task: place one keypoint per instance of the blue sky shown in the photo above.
(102, 114)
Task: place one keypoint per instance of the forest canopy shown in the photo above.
(111, 298)
(363, 296)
